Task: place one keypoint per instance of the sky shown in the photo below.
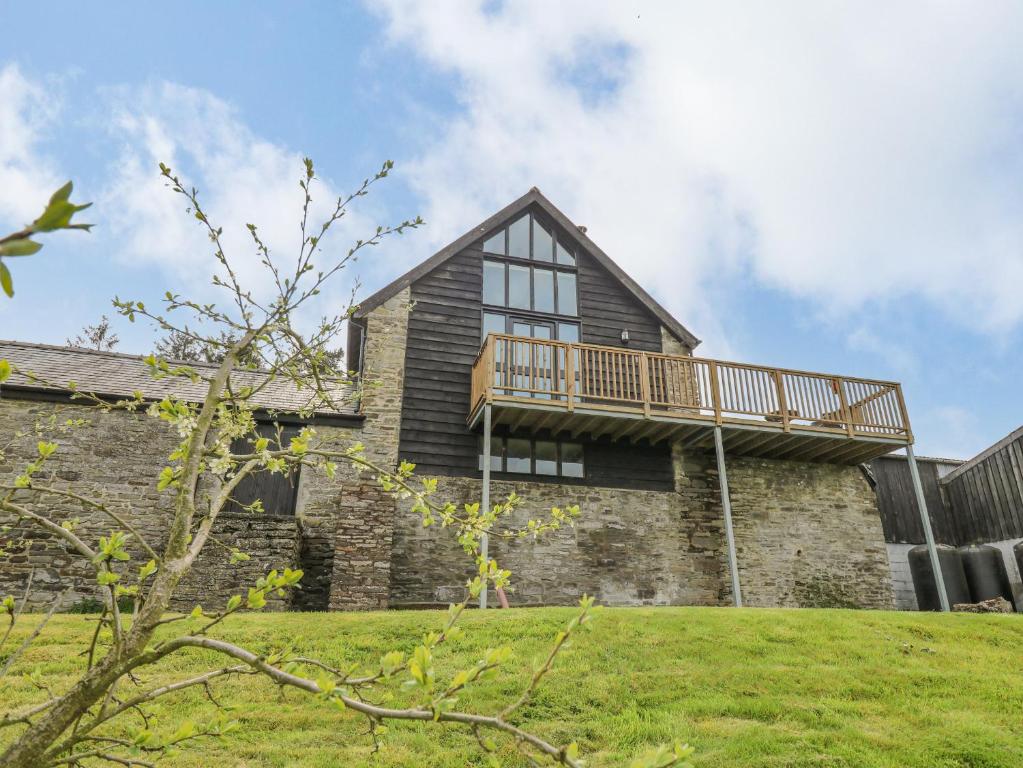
(828, 186)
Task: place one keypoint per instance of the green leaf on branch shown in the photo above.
(5, 370)
(5, 280)
(20, 247)
(59, 211)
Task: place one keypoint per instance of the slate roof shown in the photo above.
(533, 196)
(114, 374)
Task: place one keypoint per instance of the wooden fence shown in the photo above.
(986, 493)
(972, 502)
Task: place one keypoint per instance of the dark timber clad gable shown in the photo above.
(444, 339)
(607, 309)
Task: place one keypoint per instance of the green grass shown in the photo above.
(746, 687)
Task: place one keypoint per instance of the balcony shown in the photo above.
(583, 389)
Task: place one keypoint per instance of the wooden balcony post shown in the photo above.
(644, 382)
(846, 411)
(783, 405)
(715, 391)
(570, 375)
(904, 412)
(490, 367)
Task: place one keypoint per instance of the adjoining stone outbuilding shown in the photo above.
(592, 397)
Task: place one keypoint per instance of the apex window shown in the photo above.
(529, 238)
(529, 288)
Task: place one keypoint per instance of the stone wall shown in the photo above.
(271, 542)
(672, 346)
(316, 508)
(362, 553)
(629, 548)
(116, 457)
(807, 535)
(359, 517)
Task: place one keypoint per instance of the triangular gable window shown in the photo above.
(528, 238)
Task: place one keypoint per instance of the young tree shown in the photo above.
(77, 726)
(99, 337)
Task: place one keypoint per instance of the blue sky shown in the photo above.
(827, 189)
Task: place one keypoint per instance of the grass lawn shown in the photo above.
(745, 687)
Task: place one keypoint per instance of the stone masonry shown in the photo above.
(807, 535)
(270, 541)
(363, 521)
(363, 531)
(116, 457)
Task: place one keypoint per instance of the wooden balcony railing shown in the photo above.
(515, 369)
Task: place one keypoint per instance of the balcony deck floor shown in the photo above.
(749, 437)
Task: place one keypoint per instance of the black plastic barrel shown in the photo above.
(985, 572)
(952, 572)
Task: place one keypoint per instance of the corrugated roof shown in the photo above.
(114, 374)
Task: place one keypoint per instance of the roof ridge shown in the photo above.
(140, 356)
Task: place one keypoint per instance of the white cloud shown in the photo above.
(840, 153)
(27, 175)
(951, 432)
(896, 356)
(241, 178)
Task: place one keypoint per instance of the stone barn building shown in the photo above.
(520, 357)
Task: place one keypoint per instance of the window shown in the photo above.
(495, 244)
(520, 455)
(564, 255)
(496, 454)
(518, 239)
(498, 322)
(568, 332)
(518, 287)
(546, 457)
(567, 304)
(494, 323)
(543, 290)
(543, 243)
(493, 283)
(528, 238)
(572, 459)
(537, 289)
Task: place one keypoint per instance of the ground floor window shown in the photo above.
(528, 456)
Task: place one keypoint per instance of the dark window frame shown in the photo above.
(512, 316)
(503, 453)
(567, 244)
(507, 261)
